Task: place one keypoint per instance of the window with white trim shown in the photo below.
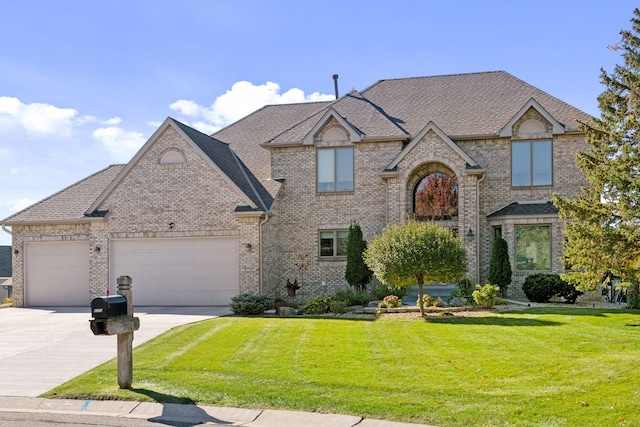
(334, 169)
(531, 163)
(333, 243)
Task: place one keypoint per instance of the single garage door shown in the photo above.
(56, 274)
(178, 272)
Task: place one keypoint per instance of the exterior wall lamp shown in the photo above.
(97, 249)
(469, 234)
(172, 224)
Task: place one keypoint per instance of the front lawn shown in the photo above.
(537, 367)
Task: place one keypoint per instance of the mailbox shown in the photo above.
(109, 306)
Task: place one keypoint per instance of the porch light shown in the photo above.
(469, 235)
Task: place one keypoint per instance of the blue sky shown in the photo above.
(83, 84)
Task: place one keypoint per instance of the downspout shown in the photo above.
(260, 224)
(478, 181)
(4, 228)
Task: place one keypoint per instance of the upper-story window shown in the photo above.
(335, 169)
(531, 163)
(172, 157)
(435, 197)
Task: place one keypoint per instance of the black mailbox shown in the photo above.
(108, 306)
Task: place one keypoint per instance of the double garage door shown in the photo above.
(165, 272)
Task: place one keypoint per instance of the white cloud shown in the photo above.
(242, 99)
(37, 118)
(121, 144)
(19, 204)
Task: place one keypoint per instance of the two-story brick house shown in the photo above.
(197, 219)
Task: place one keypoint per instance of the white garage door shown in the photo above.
(56, 274)
(177, 272)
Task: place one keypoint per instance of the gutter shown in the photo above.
(4, 228)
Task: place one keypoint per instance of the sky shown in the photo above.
(83, 84)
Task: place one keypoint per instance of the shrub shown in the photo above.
(380, 291)
(357, 273)
(248, 304)
(338, 306)
(351, 297)
(500, 266)
(429, 301)
(317, 305)
(486, 296)
(463, 290)
(541, 287)
(390, 301)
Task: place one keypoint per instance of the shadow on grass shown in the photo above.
(179, 411)
(568, 310)
(491, 321)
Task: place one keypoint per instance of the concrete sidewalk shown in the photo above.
(192, 414)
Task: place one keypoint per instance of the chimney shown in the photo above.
(335, 84)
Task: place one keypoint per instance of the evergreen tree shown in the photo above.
(500, 266)
(358, 275)
(603, 227)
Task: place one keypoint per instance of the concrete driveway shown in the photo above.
(41, 348)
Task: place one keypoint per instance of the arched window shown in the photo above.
(435, 197)
(172, 157)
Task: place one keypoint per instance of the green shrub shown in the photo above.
(351, 297)
(7, 301)
(379, 291)
(464, 289)
(338, 306)
(429, 301)
(486, 296)
(541, 287)
(248, 304)
(390, 301)
(317, 305)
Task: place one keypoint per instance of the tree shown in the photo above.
(358, 275)
(603, 222)
(416, 252)
(500, 266)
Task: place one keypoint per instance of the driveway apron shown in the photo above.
(41, 348)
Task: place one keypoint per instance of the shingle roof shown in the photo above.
(461, 105)
(5, 261)
(69, 204)
(246, 135)
(526, 208)
(221, 154)
(464, 104)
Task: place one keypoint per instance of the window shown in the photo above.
(333, 243)
(335, 169)
(533, 247)
(435, 197)
(531, 163)
(172, 157)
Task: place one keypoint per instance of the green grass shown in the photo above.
(538, 367)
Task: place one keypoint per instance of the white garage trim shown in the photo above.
(177, 272)
(56, 274)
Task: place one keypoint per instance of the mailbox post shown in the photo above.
(114, 316)
(125, 340)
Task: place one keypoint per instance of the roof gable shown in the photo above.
(471, 164)
(507, 130)
(218, 154)
(69, 204)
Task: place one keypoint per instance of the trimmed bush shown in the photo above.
(390, 301)
(542, 287)
(318, 305)
(250, 304)
(486, 296)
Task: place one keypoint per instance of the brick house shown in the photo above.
(196, 219)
